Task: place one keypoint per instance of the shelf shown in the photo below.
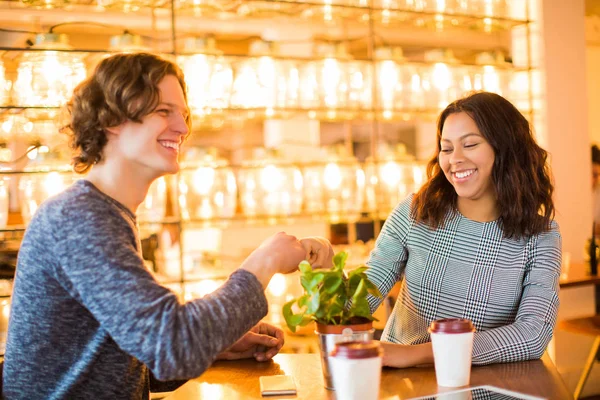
(11, 233)
(17, 230)
(268, 9)
(217, 118)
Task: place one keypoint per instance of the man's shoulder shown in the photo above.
(79, 205)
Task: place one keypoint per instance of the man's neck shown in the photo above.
(117, 181)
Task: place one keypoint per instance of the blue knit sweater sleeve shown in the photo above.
(87, 313)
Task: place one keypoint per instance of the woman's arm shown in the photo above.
(524, 339)
(388, 258)
(527, 337)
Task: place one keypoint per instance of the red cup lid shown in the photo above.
(451, 325)
(357, 350)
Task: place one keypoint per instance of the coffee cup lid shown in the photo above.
(451, 325)
(357, 350)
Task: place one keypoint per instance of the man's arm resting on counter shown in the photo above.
(164, 386)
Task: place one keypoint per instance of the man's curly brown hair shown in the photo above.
(520, 175)
(123, 87)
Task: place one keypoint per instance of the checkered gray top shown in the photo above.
(467, 269)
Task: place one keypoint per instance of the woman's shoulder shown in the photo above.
(403, 211)
(552, 233)
(549, 238)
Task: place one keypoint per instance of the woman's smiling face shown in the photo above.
(466, 158)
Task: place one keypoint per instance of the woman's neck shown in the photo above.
(480, 210)
(121, 182)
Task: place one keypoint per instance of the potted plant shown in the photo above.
(337, 302)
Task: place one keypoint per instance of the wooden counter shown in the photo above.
(237, 380)
(581, 280)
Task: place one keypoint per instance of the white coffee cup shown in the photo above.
(452, 341)
(356, 370)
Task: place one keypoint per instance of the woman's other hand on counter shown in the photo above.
(404, 356)
(262, 342)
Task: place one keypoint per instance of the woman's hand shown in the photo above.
(404, 356)
(319, 252)
(262, 342)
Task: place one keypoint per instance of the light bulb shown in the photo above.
(332, 76)
(271, 178)
(53, 184)
(278, 285)
(442, 77)
(203, 180)
(391, 173)
(332, 176)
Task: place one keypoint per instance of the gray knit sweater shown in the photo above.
(88, 320)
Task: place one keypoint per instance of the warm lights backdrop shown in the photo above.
(339, 75)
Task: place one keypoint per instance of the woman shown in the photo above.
(478, 241)
(88, 320)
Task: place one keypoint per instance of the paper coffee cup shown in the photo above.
(452, 341)
(356, 370)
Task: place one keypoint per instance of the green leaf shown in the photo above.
(303, 301)
(357, 271)
(361, 308)
(361, 291)
(353, 283)
(335, 309)
(316, 279)
(313, 305)
(339, 260)
(332, 283)
(329, 296)
(372, 289)
(305, 267)
(292, 320)
(305, 281)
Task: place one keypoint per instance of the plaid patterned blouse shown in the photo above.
(507, 287)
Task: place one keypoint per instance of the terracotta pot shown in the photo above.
(357, 325)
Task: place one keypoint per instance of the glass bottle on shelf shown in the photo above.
(391, 178)
(125, 5)
(334, 188)
(4, 183)
(334, 82)
(398, 82)
(5, 85)
(208, 75)
(445, 80)
(46, 78)
(269, 187)
(492, 74)
(265, 82)
(154, 205)
(207, 187)
(44, 178)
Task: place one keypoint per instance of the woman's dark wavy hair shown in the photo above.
(520, 175)
(123, 87)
